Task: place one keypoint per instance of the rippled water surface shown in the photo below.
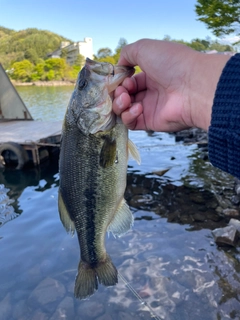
(170, 267)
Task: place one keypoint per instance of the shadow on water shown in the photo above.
(180, 204)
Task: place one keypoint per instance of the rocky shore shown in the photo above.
(228, 200)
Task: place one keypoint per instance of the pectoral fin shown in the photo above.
(108, 152)
(133, 151)
(123, 220)
(64, 216)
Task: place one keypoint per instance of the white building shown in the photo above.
(85, 48)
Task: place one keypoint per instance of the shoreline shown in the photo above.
(54, 83)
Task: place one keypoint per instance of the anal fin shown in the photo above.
(123, 220)
(64, 215)
(133, 151)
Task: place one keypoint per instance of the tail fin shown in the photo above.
(88, 278)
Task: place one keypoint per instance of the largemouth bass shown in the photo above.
(93, 168)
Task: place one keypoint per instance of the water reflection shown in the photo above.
(166, 271)
(46, 103)
(13, 183)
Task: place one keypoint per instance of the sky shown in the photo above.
(106, 21)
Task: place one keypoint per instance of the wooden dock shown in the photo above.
(25, 132)
(28, 141)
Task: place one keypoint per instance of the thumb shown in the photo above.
(129, 53)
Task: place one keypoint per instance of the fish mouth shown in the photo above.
(114, 73)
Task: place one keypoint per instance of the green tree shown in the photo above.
(22, 70)
(215, 45)
(38, 72)
(121, 43)
(64, 53)
(196, 45)
(104, 52)
(31, 55)
(80, 60)
(50, 75)
(57, 66)
(72, 72)
(221, 16)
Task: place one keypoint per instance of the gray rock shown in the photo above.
(235, 199)
(199, 217)
(231, 212)
(237, 186)
(212, 204)
(197, 198)
(225, 236)
(235, 223)
(19, 309)
(47, 294)
(65, 310)
(219, 209)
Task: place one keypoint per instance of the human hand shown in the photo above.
(175, 89)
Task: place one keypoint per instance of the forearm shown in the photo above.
(205, 75)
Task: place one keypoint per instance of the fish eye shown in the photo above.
(82, 84)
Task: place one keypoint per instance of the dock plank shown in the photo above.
(28, 131)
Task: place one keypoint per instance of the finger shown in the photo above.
(130, 116)
(121, 102)
(119, 90)
(136, 83)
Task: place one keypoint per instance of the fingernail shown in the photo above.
(119, 102)
(134, 110)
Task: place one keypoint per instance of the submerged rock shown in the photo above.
(226, 236)
(91, 309)
(39, 315)
(47, 294)
(235, 223)
(65, 309)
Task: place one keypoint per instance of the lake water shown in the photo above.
(169, 266)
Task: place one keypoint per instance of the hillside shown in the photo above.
(31, 44)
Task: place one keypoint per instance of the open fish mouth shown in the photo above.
(114, 73)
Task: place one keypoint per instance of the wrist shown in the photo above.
(207, 69)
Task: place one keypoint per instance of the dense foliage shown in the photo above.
(30, 44)
(50, 69)
(25, 54)
(204, 45)
(221, 16)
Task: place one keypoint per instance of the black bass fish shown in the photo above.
(93, 169)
